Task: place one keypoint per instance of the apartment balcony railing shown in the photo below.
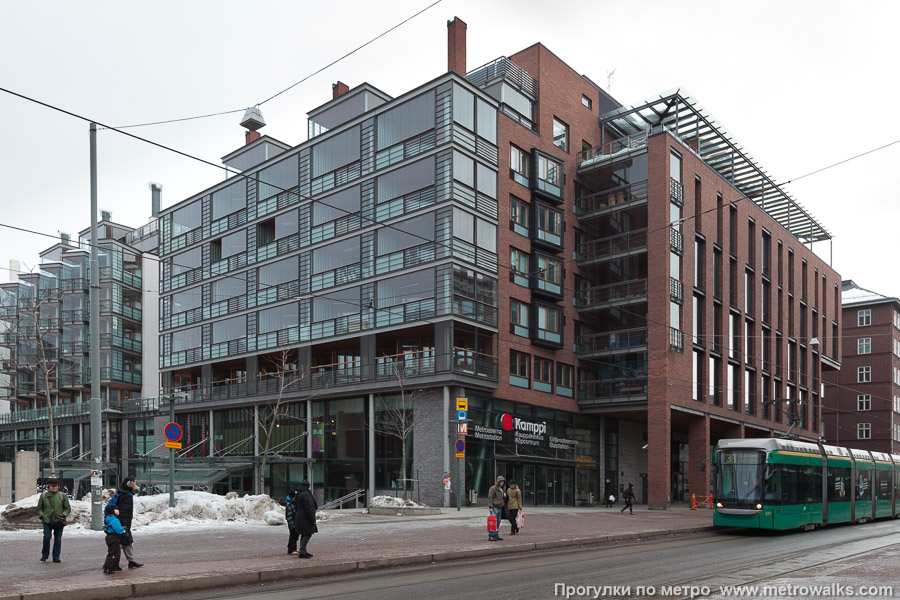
(676, 242)
(118, 341)
(76, 284)
(120, 375)
(140, 233)
(614, 294)
(612, 391)
(129, 311)
(127, 277)
(613, 342)
(75, 347)
(620, 197)
(503, 68)
(676, 291)
(676, 192)
(610, 247)
(74, 316)
(63, 410)
(610, 151)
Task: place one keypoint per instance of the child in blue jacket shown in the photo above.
(113, 530)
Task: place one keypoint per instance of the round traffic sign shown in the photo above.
(173, 432)
(460, 445)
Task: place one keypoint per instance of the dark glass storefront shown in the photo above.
(554, 456)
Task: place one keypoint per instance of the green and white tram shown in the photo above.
(770, 483)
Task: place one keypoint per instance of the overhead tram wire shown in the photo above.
(293, 85)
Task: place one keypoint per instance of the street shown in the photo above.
(841, 556)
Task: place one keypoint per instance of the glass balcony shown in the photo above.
(614, 294)
(613, 247)
(612, 151)
(612, 391)
(606, 201)
(613, 342)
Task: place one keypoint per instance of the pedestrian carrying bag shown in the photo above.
(57, 521)
(520, 520)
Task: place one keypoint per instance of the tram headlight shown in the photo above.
(718, 505)
(759, 507)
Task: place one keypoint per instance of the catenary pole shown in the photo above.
(96, 420)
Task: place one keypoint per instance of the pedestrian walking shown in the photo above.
(629, 499)
(124, 501)
(290, 512)
(495, 503)
(305, 517)
(609, 493)
(53, 508)
(514, 505)
(115, 535)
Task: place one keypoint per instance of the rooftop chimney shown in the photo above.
(339, 89)
(155, 198)
(105, 215)
(456, 46)
(253, 120)
(64, 238)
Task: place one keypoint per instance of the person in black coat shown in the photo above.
(125, 504)
(305, 517)
(609, 491)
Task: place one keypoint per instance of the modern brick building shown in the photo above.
(863, 410)
(612, 288)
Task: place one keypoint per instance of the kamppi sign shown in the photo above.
(525, 433)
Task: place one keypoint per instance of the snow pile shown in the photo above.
(392, 502)
(190, 508)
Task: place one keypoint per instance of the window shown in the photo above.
(335, 152)
(282, 271)
(229, 199)
(277, 178)
(418, 285)
(474, 174)
(336, 255)
(549, 274)
(863, 374)
(560, 134)
(518, 216)
(279, 317)
(475, 231)
(550, 173)
(586, 102)
(229, 245)
(864, 402)
(549, 224)
(864, 317)
(409, 119)
(286, 224)
(518, 266)
(187, 261)
(186, 339)
(518, 369)
(404, 180)
(518, 165)
(565, 375)
(549, 323)
(183, 301)
(518, 318)
(863, 431)
(229, 329)
(543, 374)
(336, 304)
(186, 218)
(406, 234)
(229, 287)
(864, 345)
(335, 206)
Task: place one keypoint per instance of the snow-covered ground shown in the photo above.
(152, 513)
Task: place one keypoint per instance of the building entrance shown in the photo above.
(541, 485)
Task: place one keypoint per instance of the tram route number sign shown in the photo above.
(460, 448)
(173, 433)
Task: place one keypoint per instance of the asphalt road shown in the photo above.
(841, 556)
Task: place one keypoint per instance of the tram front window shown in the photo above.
(740, 478)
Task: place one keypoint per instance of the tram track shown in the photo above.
(787, 564)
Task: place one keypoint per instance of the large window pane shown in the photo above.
(186, 218)
(463, 107)
(409, 119)
(234, 243)
(487, 180)
(463, 225)
(406, 179)
(229, 329)
(286, 224)
(336, 255)
(182, 301)
(487, 121)
(229, 287)
(229, 199)
(186, 339)
(487, 236)
(277, 178)
(406, 234)
(336, 152)
(336, 304)
(186, 261)
(406, 288)
(277, 318)
(336, 206)
(463, 168)
(278, 272)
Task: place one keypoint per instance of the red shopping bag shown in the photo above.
(492, 523)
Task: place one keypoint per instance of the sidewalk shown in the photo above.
(212, 555)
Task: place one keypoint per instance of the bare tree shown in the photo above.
(286, 376)
(397, 417)
(35, 329)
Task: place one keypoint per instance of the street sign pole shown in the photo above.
(171, 455)
(462, 415)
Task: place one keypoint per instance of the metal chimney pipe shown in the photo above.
(156, 198)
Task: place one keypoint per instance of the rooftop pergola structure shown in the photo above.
(681, 115)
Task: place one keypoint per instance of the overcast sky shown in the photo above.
(801, 85)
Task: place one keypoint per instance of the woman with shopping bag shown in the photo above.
(514, 507)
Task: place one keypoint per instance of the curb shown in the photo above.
(138, 588)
